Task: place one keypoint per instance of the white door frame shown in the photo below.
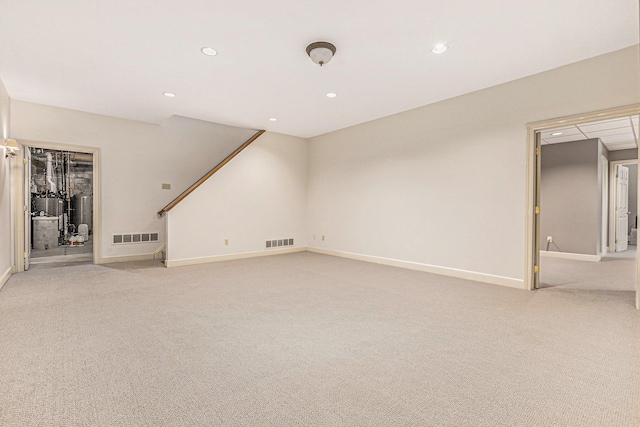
(612, 199)
(532, 231)
(604, 238)
(18, 185)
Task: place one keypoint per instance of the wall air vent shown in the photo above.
(279, 242)
(131, 238)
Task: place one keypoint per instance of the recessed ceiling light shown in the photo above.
(273, 119)
(440, 48)
(169, 94)
(331, 95)
(209, 51)
(556, 134)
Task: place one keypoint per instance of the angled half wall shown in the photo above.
(256, 199)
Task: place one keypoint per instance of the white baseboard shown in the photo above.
(158, 253)
(569, 255)
(126, 258)
(136, 257)
(444, 271)
(230, 257)
(5, 277)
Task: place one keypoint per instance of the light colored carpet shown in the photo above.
(62, 254)
(611, 274)
(629, 253)
(309, 340)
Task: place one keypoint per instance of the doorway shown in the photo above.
(60, 193)
(623, 207)
(534, 209)
(57, 197)
(576, 252)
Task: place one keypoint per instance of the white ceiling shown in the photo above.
(617, 134)
(117, 57)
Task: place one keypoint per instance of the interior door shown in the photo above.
(27, 207)
(622, 207)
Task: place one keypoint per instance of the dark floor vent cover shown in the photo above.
(129, 238)
(278, 243)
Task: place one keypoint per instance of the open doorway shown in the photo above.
(584, 239)
(576, 249)
(60, 193)
(56, 189)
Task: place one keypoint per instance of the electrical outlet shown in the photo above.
(166, 186)
(549, 239)
(323, 237)
(226, 242)
(314, 237)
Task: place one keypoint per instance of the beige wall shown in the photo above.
(570, 197)
(258, 196)
(444, 185)
(6, 239)
(136, 159)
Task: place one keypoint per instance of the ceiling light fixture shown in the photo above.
(321, 52)
(169, 94)
(440, 48)
(11, 146)
(556, 134)
(209, 51)
(331, 95)
(273, 119)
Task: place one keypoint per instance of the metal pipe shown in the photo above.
(68, 188)
(52, 185)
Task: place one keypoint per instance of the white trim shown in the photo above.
(604, 188)
(5, 277)
(570, 255)
(126, 258)
(159, 251)
(443, 271)
(230, 257)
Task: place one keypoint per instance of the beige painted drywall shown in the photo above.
(6, 246)
(570, 197)
(137, 158)
(445, 184)
(257, 196)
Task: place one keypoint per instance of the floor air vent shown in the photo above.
(279, 242)
(129, 238)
